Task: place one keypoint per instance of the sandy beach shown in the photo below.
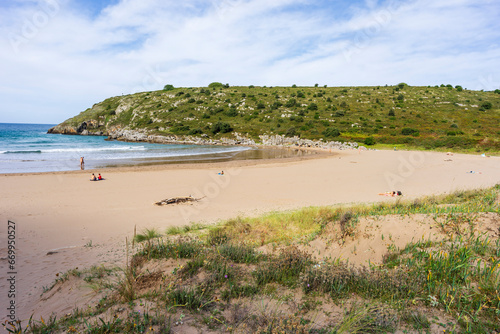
(64, 221)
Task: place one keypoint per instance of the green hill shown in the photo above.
(443, 117)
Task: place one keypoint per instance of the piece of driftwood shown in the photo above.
(176, 200)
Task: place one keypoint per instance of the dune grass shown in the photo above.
(222, 275)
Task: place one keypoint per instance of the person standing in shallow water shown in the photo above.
(82, 163)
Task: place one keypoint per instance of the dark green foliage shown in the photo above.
(291, 132)
(410, 132)
(392, 113)
(369, 141)
(339, 113)
(232, 112)
(331, 132)
(312, 106)
(221, 127)
(168, 87)
(291, 103)
(401, 97)
(276, 105)
(486, 105)
(196, 131)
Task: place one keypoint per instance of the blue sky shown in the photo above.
(59, 57)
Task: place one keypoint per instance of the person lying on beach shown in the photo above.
(392, 193)
(93, 178)
(221, 173)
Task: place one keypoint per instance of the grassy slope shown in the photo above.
(441, 117)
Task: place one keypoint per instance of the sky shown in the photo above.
(59, 57)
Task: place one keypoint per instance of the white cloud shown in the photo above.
(58, 59)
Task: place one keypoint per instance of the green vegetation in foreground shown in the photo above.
(443, 117)
(222, 282)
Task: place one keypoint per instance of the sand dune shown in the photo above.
(81, 223)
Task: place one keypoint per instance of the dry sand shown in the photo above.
(65, 213)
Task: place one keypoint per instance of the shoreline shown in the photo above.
(314, 153)
(87, 222)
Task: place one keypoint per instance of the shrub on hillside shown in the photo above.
(168, 87)
(410, 132)
(221, 127)
(291, 103)
(232, 112)
(312, 106)
(486, 105)
(291, 132)
(369, 141)
(331, 132)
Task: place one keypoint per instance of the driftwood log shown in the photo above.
(176, 200)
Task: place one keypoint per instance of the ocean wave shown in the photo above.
(20, 152)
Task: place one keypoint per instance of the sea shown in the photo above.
(28, 148)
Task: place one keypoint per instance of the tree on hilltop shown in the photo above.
(215, 85)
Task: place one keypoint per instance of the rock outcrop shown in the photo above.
(87, 128)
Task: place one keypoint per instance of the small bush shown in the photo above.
(221, 127)
(369, 141)
(291, 103)
(291, 132)
(486, 105)
(331, 132)
(410, 132)
(312, 106)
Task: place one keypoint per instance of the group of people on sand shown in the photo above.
(393, 193)
(95, 178)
